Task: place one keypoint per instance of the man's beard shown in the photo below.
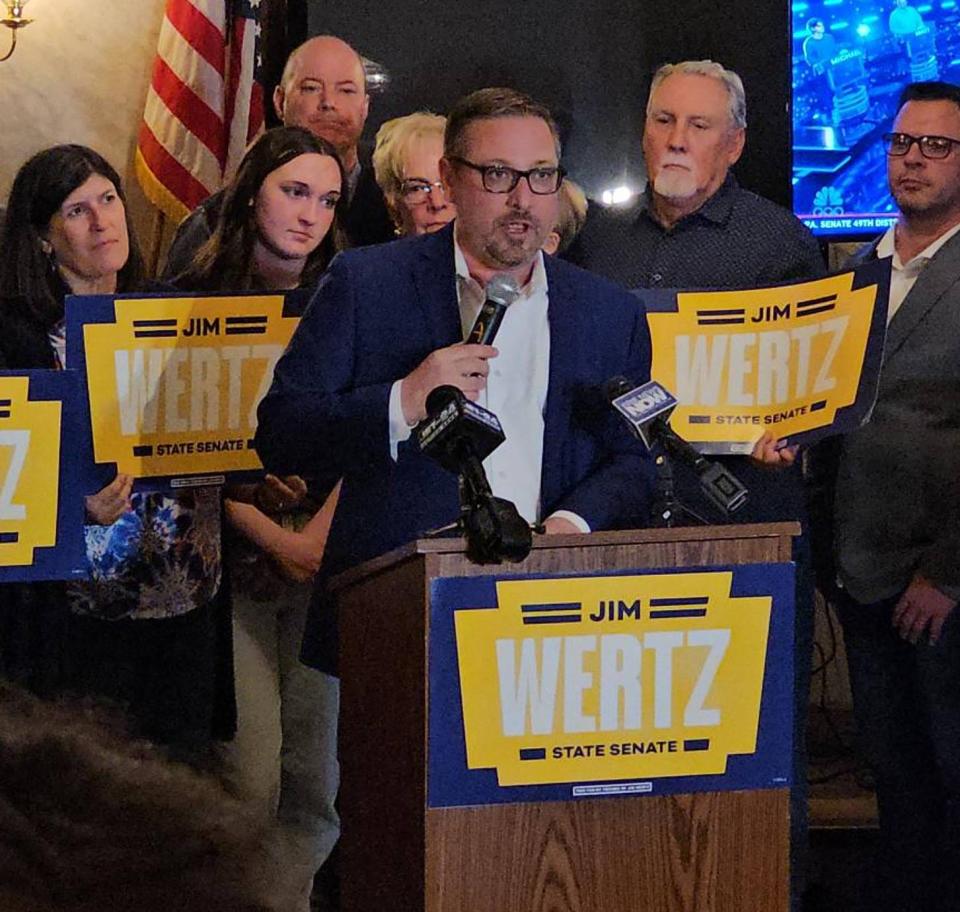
(675, 184)
(504, 250)
(911, 208)
(920, 204)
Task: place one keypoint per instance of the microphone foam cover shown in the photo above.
(503, 289)
(615, 387)
(441, 396)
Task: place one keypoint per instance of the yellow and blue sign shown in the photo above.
(800, 360)
(41, 504)
(643, 682)
(173, 381)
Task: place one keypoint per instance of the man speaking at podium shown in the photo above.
(386, 327)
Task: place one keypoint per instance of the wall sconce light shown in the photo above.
(14, 20)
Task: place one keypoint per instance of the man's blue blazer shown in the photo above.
(377, 313)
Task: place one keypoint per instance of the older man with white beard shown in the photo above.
(695, 227)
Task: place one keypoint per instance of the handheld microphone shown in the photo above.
(647, 409)
(459, 434)
(501, 292)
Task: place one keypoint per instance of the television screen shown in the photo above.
(851, 59)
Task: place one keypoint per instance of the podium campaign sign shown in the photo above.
(800, 360)
(41, 503)
(646, 682)
(174, 381)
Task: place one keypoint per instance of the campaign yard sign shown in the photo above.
(174, 381)
(41, 502)
(639, 682)
(800, 359)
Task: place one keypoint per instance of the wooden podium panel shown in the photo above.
(655, 854)
(717, 851)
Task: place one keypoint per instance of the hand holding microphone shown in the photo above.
(463, 365)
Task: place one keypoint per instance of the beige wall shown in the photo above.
(80, 74)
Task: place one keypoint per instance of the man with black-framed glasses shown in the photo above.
(892, 489)
(387, 325)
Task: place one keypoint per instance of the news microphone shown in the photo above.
(647, 410)
(501, 292)
(459, 434)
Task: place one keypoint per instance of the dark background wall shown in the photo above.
(590, 61)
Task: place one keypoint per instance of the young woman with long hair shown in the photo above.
(277, 231)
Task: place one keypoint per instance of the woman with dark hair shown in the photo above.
(277, 230)
(142, 631)
(66, 231)
(265, 240)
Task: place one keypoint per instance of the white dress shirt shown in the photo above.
(903, 274)
(516, 389)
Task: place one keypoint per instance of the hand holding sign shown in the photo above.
(110, 503)
(772, 452)
(274, 495)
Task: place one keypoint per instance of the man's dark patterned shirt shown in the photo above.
(735, 240)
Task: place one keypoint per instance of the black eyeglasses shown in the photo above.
(501, 179)
(898, 144)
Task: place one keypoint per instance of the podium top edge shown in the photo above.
(425, 546)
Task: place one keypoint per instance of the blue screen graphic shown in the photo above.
(851, 59)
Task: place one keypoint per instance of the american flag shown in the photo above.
(205, 102)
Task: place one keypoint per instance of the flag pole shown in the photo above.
(156, 243)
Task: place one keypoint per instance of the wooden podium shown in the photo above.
(723, 851)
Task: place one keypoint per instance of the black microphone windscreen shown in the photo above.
(616, 387)
(441, 396)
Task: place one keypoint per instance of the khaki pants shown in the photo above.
(284, 755)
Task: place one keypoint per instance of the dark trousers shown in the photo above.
(906, 702)
(162, 672)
